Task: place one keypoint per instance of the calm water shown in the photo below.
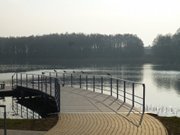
(162, 82)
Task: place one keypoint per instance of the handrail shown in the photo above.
(2, 85)
(125, 90)
(46, 84)
(107, 84)
(5, 128)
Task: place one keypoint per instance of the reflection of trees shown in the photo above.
(126, 72)
(129, 72)
(166, 78)
(162, 81)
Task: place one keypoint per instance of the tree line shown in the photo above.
(72, 46)
(167, 47)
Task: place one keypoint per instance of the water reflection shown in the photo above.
(127, 72)
(166, 79)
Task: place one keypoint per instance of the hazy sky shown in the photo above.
(146, 18)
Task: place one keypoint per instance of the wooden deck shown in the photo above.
(88, 113)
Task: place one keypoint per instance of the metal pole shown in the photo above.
(38, 82)
(71, 80)
(16, 79)
(111, 85)
(21, 110)
(4, 122)
(12, 81)
(117, 82)
(132, 94)
(94, 83)
(101, 84)
(86, 82)
(50, 83)
(63, 79)
(21, 79)
(124, 91)
(12, 103)
(5, 128)
(26, 80)
(143, 98)
(17, 107)
(41, 83)
(45, 84)
(80, 81)
(27, 112)
(33, 81)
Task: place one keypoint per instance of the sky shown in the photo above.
(145, 18)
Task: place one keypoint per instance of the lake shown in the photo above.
(162, 81)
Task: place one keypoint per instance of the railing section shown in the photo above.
(24, 111)
(129, 92)
(46, 84)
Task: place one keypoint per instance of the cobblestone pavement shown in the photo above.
(106, 124)
(88, 113)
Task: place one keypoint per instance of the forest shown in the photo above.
(167, 47)
(79, 46)
(72, 46)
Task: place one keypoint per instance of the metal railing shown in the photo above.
(129, 92)
(23, 111)
(2, 85)
(46, 84)
(4, 123)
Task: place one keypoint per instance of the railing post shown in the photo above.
(71, 80)
(41, 83)
(143, 98)
(21, 111)
(32, 81)
(5, 128)
(94, 83)
(17, 107)
(16, 79)
(38, 82)
(111, 85)
(4, 121)
(86, 82)
(80, 81)
(21, 79)
(117, 83)
(12, 82)
(124, 91)
(101, 84)
(27, 113)
(50, 74)
(132, 94)
(26, 80)
(12, 104)
(33, 114)
(63, 79)
(45, 84)
(50, 83)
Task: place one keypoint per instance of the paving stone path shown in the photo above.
(88, 113)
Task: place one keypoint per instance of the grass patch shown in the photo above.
(43, 124)
(172, 124)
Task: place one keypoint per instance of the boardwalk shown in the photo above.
(88, 113)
